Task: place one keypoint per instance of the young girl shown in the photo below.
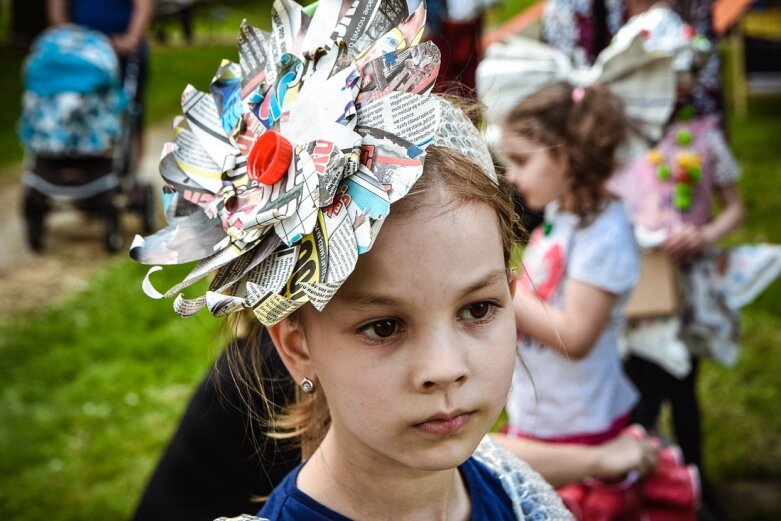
(580, 266)
(402, 343)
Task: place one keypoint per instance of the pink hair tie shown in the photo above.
(577, 94)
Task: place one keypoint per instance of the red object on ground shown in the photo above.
(269, 159)
(670, 493)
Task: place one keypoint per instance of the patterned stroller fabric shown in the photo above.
(73, 101)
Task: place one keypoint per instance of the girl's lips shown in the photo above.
(444, 426)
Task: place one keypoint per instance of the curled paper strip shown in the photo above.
(348, 87)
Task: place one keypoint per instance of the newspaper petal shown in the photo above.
(407, 33)
(414, 69)
(184, 184)
(368, 195)
(221, 305)
(284, 91)
(322, 25)
(331, 99)
(337, 239)
(146, 284)
(288, 23)
(253, 57)
(187, 307)
(274, 308)
(302, 221)
(387, 161)
(230, 272)
(320, 294)
(194, 161)
(189, 239)
(330, 163)
(204, 120)
(274, 272)
(367, 20)
(403, 118)
(226, 90)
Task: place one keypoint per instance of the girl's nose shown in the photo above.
(442, 362)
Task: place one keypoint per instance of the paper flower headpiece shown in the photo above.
(284, 173)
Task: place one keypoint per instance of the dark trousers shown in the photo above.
(657, 386)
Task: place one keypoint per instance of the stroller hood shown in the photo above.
(71, 59)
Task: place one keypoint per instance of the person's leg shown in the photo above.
(651, 382)
(686, 415)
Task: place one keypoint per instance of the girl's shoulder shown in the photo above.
(531, 496)
(612, 219)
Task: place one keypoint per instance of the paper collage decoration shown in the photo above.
(283, 174)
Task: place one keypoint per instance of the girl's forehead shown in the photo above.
(428, 250)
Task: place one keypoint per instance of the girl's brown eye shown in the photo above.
(478, 310)
(384, 328)
(381, 329)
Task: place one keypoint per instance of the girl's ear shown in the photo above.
(289, 339)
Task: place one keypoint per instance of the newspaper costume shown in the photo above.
(674, 184)
(284, 173)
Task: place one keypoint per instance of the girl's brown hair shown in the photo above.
(449, 178)
(584, 128)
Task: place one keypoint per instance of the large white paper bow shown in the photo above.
(516, 69)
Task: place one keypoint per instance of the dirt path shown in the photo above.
(73, 245)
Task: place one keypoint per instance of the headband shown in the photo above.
(283, 174)
(514, 70)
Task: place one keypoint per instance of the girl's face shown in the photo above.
(415, 352)
(536, 173)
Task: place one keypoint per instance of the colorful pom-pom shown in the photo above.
(655, 157)
(663, 172)
(684, 137)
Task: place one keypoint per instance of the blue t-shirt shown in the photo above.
(489, 500)
(107, 16)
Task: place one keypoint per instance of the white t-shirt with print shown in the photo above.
(553, 396)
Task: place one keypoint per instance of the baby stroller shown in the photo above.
(79, 129)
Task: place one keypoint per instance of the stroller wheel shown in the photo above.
(148, 214)
(34, 213)
(112, 237)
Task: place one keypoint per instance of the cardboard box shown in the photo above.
(656, 293)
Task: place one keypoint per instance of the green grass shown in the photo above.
(742, 419)
(91, 390)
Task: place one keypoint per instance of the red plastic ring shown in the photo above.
(269, 159)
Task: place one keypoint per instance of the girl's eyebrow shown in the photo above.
(492, 278)
(359, 299)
